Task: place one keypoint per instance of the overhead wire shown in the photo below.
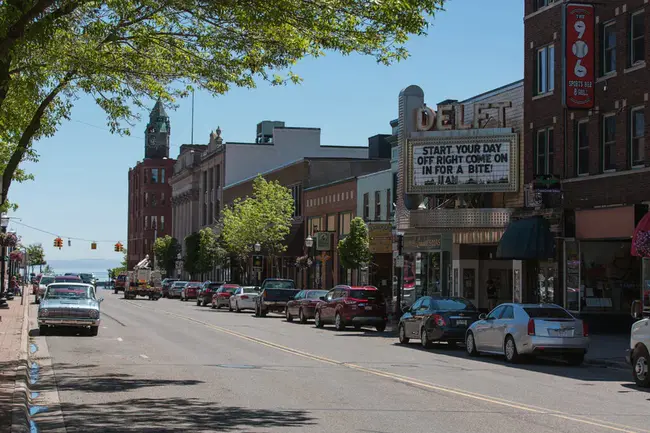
(72, 238)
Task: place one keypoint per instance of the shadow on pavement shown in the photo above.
(552, 366)
(171, 415)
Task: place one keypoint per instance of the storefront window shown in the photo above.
(422, 274)
(610, 277)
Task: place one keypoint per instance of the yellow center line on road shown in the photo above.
(411, 381)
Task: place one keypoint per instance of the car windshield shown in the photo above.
(68, 292)
(250, 290)
(179, 284)
(452, 304)
(68, 279)
(231, 289)
(213, 286)
(371, 295)
(547, 313)
(46, 280)
(279, 285)
(315, 294)
(121, 277)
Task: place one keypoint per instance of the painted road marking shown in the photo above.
(412, 381)
(144, 356)
(119, 339)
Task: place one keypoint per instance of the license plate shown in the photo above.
(368, 308)
(461, 322)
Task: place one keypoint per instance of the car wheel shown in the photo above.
(213, 306)
(470, 344)
(257, 311)
(204, 303)
(317, 322)
(42, 330)
(381, 327)
(640, 359)
(403, 339)
(94, 330)
(218, 305)
(229, 306)
(424, 339)
(338, 323)
(237, 309)
(288, 315)
(301, 316)
(510, 350)
(198, 302)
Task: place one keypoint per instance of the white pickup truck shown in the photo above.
(638, 354)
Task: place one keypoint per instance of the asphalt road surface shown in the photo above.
(170, 366)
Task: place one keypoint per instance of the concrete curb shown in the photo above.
(20, 403)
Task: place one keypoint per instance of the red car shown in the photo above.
(191, 290)
(304, 304)
(222, 297)
(356, 306)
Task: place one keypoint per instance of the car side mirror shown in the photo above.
(482, 316)
(100, 300)
(637, 310)
(322, 298)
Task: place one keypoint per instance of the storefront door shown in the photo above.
(573, 290)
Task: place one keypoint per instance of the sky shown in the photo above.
(81, 180)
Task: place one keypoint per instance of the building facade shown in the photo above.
(458, 183)
(149, 209)
(585, 129)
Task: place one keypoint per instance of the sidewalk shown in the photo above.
(13, 366)
(608, 350)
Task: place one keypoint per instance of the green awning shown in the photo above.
(527, 239)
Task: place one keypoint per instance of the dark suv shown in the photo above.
(208, 289)
(356, 306)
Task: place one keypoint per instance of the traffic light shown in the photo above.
(118, 247)
(58, 243)
(93, 245)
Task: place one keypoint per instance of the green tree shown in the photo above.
(354, 249)
(265, 217)
(48, 269)
(122, 52)
(35, 256)
(202, 252)
(166, 250)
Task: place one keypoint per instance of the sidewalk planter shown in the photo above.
(8, 239)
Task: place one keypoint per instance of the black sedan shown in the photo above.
(209, 288)
(434, 319)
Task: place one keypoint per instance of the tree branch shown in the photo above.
(29, 132)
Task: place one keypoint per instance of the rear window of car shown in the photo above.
(250, 290)
(179, 283)
(230, 289)
(279, 285)
(371, 295)
(452, 304)
(315, 294)
(547, 313)
(213, 286)
(67, 279)
(46, 280)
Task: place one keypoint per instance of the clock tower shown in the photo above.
(157, 134)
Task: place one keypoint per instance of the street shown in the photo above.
(170, 366)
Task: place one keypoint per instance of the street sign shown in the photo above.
(399, 262)
(257, 263)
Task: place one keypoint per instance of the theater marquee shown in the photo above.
(467, 164)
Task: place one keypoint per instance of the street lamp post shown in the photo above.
(179, 259)
(257, 248)
(4, 222)
(309, 242)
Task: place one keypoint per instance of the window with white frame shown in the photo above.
(637, 136)
(377, 205)
(545, 69)
(609, 47)
(544, 151)
(609, 142)
(582, 146)
(637, 37)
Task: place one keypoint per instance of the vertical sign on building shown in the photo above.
(579, 56)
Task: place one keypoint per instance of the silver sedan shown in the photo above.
(244, 298)
(514, 330)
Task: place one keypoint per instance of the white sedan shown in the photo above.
(244, 298)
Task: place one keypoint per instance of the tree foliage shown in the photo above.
(122, 52)
(113, 273)
(264, 217)
(35, 255)
(166, 250)
(354, 249)
(202, 252)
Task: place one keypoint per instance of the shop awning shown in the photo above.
(527, 239)
(643, 226)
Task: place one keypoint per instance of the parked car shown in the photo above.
(207, 290)
(303, 305)
(514, 330)
(274, 295)
(166, 285)
(175, 289)
(120, 283)
(68, 279)
(244, 298)
(221, 297)
(434, 319)
(190, 290)
(69, 304)
(351, 305)
(638, 355)
(43, 282)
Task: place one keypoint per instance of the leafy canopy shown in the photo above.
(354, 249)
(166, 250)
(264, 217)
(123, 52)
(202, 252)
(35, 255)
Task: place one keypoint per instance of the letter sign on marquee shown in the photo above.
(579, 56)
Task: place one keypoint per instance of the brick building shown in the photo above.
(149, 210)
(598, 151)
(298, 176)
